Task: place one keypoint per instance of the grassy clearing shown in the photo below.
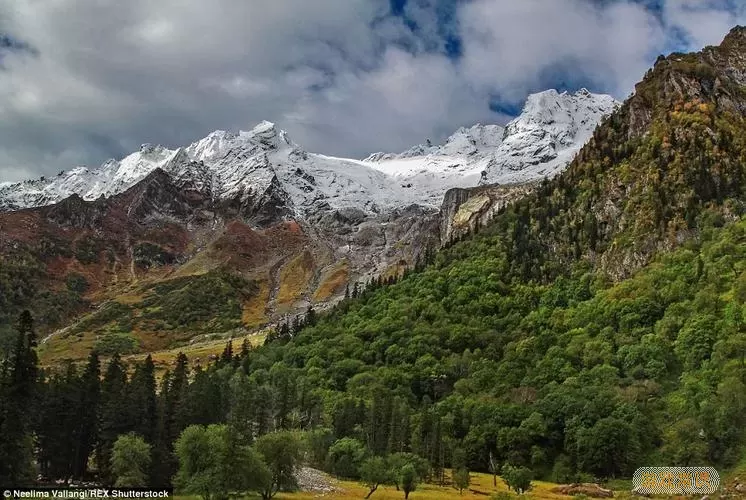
(166, 359)
(295, 277)
(71, 348)
(158, 316)
(481, 488)
(332, 281)
(255, 309)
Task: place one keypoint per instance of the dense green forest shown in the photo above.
(576, 378)
(22, 275)
(593, 327)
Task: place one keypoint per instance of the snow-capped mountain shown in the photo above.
(265, 162)
(540, 142)
(546, 136)
(229, 166)
(464, 142)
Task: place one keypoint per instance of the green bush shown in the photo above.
(76, 283)
(116, 343)
(149, 255)
(209, 302)
(87, 250)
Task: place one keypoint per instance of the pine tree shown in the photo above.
(177, 396)
(204, 405)
(310, 316)
(174, 417)
(142, 400)
(44, 438)
(86, 424)
(114, 416)
(160, 475)
(227, 355)
(54, 428)
(284, 393)
(245, 349)
(379, 426)
(399, 427)
(17, 397)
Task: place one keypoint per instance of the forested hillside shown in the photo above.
(574, 378)
(593, 327)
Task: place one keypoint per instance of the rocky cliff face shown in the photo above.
(464, 209)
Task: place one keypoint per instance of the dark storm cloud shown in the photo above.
(84, 80)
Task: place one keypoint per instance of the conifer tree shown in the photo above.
(245, 349)
(204, 405)
(227, 355)
(142, 400)
(310, 316)
(17, 391)
(173, 419)
(50, 427)
(85, 431)
(160, 475)
(114, 414)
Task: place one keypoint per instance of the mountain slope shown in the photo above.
(300, 227)
(597, 325)
(670, 160)
(117, 258)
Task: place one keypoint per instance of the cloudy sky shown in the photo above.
(82, 81)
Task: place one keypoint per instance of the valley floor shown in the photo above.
(481, 487)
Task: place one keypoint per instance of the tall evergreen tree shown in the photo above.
(204, 405)
(310, 316)
(172, 420)
(159, 474)
(17, 392)
(48, 427)
(114, 415)
(245, 349)
(177, 397)
(142, 400)
(227, 355)
(86, 425)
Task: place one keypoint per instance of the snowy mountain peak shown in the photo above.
(544, 138)
(538, 143)
(267, 134)
(263, 163)
(550, 106)
(264, 128)
(465, 141)
(473, 139)
(217, 144)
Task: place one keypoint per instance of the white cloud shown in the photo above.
(509, 44)
(703, 21)
(342, 76)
